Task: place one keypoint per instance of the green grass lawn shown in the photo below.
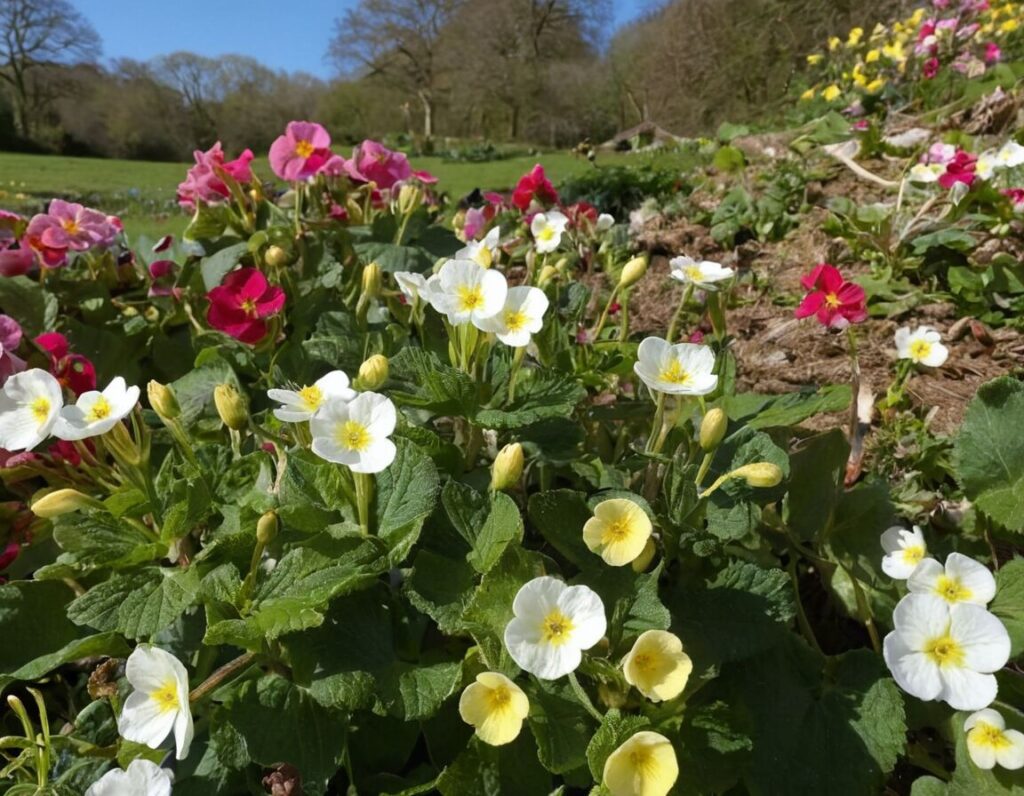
(143, 193)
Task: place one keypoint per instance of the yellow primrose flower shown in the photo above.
(989, 743)
(815, 58)
(872, 56)
(495, 707)
(916, 17)
(657, 665)
(894, 51)
(834, 42)
(1009, 26)
(645, 765)
(831, 93)
(855, 36)
(618, 531)
(875, 85)
(807, 95)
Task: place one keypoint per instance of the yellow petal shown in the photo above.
(495, 706)
(645, 765)
(657, 665)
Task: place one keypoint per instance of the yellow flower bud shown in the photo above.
(371, 281)
(63, 501)
(547, 273)
(266, 528)
(372, 373)
(410, 196)
(632, 272)
(355, 211)
(163, 400)
(277, 257)
(712, 429)
(642, 561)
(508, 467)
(230, 406)
(759, 474)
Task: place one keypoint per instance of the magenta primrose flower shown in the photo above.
(834, 301)
(67, 226)
(240, 306)
(16, 256)
(205, 180)
(375, 163)
(301, 151)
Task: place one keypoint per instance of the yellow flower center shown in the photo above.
(471, 297)
(951, 589)
(913, 554)
(694, 273)
(919, 349)
(498, 699)
(354, 436)
(556, 628)
(515, 320)
(100, 410)
(643, 662)
(617, 530)
(70, 226)
(674, 373)
(312, 397)
(40, 409)
(546, 234)
(166, 696)
(945, 651)
(304, 148)
(249, 307)
(987, 734)
(832, 300)
(642, 760)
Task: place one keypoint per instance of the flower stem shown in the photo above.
(364, 484)
(659, 413)
(584, 697)
(517, 363)
(220, 675)
(604, 315)
(674, 325)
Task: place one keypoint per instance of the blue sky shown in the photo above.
(284, 35)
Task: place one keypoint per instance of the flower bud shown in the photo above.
(230, 406)
(642, 561)
(266, 528)
(371, 281)
(355, 211)
(410, 196)
(712, 429)
(508, 467)
(547, 273)
(759, 474)
(276, 256)
(373, 372)
(163, 400)
(632, 272)
(63, 501)
(611, 697)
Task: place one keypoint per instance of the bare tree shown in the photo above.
(34, 35)
(400, 41)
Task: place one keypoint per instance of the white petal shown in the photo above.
(584, 607)
(183, 733)
(984, 638)
(537, 597)
(144, 721)
(988, 716)
(974, 576)
(376, 458)
(336, 385)
(919, 618)
(924, 576)
(1012, 757)
(963, 689)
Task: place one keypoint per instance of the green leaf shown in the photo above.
(512, 768)
(839, 732)
(282, 723)
(441, 587)
(1008, 604)
(817, 467)
(715, 748)
(391, 257)
(194, 390)
(561, 726)
(137, 605)
(25, 300)
(92, 541)
(406, 494)
(560, 514)
(215, 267)
(767, 411)
(107, 644)
(422, 380)
(614, 731)
(488, 523)
(540, 395)
(989, 452)
(33, 621)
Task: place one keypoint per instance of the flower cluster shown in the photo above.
(945, 645)
(954, 168)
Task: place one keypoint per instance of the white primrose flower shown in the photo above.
(141, 778)
(946, 652)
(465, 292)
(482, 252)
(159, 702)
(703, 274)
(604, 222)
(411, 284)
(986, 164)
(30, 404)
(921, 346)
(95, 413)
(1010, 155)
(961, 580)
(355, 433)
(521, 317)
(553, 624)
(302, 404)
(926, 172)
(681, 369)
(989, 743)
(904, 551)
(547, 229)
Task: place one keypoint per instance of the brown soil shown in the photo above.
(777, 353)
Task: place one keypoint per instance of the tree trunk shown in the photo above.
(428, 114)
(513, 123)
